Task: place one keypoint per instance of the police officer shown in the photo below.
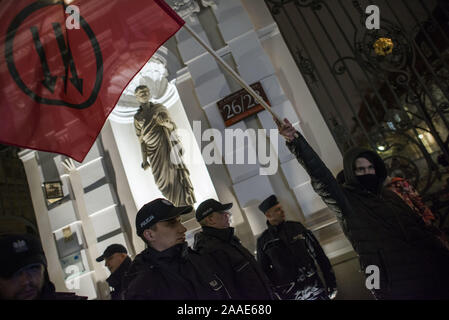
(217, 239)
(168, 269)
(23, 270)
(287, 252)
(118, 262)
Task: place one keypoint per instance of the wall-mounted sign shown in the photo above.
(240, 105)
(53, 191)
(67, 233)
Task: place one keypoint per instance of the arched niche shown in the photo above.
(155, 75)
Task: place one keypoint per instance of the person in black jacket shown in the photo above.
(217, 239)
(23, 271)
(168, 269)
(287, 252)
(382, 228)
(117, 261)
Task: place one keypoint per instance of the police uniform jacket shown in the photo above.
(248, 282)
(116, 278)
(287, 253)
(177, 273)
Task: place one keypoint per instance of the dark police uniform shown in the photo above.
(176, 273)
(239, 265)
(116, 278)
(246, 279)
(287, 254)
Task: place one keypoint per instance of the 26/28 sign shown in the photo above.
(240, 105)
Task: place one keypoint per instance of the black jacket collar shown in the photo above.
(177, 252)
(222, 234)
(276, 228)
(115, 279)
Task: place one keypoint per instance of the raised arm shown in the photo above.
(322, 180)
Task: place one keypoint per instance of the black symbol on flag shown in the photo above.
(68, 60)
(49, 80)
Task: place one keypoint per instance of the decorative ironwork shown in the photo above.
(306, 67)
(387, 89)
(399, 166)
(397, 119)
(342, 136)
(401, 56)
(383, 46)
(277, 5)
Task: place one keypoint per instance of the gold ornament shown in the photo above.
(383, 46)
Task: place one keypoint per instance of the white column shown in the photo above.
(54, 268)
(88, 228)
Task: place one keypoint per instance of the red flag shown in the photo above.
(58, 84)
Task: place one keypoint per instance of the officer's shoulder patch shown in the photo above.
(299, 236)
(216, 285)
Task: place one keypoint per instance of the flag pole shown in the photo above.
(232, 72)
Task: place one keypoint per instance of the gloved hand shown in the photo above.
(332, 293)
(286, 129)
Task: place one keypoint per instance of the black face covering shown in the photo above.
(369, 182)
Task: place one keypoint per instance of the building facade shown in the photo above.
(102, 195)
